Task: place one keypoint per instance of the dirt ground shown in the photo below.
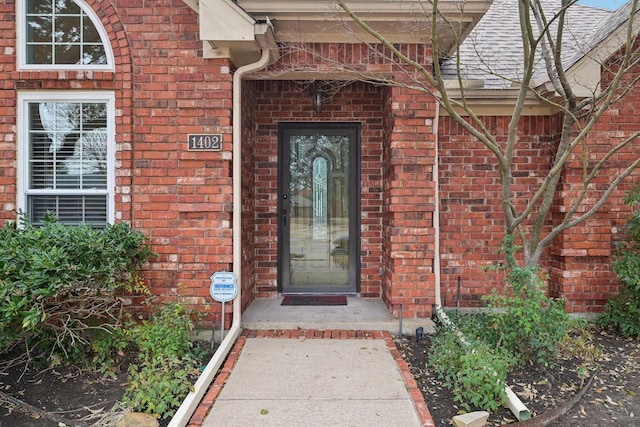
(606, 396)
(65, 392)
(572, 393)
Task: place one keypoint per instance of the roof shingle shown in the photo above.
(493, 51)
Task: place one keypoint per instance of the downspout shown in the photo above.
(436, 213)
(191, 402)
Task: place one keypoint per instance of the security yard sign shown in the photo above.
(224, 286)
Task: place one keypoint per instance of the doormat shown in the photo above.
(314, 300)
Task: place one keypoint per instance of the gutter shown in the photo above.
(515, 404)
(193, 399)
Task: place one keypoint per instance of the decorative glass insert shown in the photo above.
(320, 224)
(67, 162)
(59, 32)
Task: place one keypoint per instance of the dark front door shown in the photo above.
(319, 208)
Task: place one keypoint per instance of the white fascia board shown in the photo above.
(223, 20)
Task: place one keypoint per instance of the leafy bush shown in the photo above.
(522, 326)
(109, 346)
(58, 283)
(473, 371)
(623, 311)
(166, 362)
(60, 294)
(524, 321)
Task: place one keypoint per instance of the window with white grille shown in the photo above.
(65, 138)
(66, 149)
(61, 34)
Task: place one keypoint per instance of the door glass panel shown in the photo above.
(318, 228)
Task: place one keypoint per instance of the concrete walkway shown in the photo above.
(313, 378)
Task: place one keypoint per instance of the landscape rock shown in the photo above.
(137, 419)
(472, 419)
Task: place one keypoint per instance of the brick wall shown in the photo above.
(164, 91)
(181, 199)
(471, 219)
(581, 256)
(472, 225)
(409, 202)
(290, 101)
(8, 111)
(249, 193)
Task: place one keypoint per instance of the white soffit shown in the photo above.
(400, 21)
(227, 26)
(227, 31)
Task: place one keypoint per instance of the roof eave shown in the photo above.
(227, 31)
(496, 102)
(227, 27)
(585, 74)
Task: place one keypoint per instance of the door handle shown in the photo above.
(284, 217)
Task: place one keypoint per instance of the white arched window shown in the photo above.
(66, 139)
(61, 35)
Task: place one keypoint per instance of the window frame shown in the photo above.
(21, 24)
(24, 190)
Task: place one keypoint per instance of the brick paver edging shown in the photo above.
(221, 378)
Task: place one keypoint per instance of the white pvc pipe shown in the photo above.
(191, 402)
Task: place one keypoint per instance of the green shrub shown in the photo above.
(622, 312)
(523, 326)
(109, 346)
(166, 363)
(60, 293)
(158, 386)
(58, 283)
(473, 371)
(524, 321)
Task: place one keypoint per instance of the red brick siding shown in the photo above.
(581, 257)
(8, 111)
(409, 202)
(181, 199)
(249, 205)
(164, 90)
(471, 219)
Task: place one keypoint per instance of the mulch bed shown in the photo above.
(611, 398)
